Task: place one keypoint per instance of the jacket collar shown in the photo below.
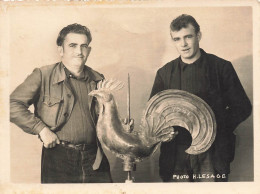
(59, 74)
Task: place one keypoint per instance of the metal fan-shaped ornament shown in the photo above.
(180, 108)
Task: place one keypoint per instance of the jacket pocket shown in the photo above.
(49, 111)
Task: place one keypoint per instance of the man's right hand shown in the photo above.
(49, 138)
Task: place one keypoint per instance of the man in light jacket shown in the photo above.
(64, 117)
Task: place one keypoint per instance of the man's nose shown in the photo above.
(183, 42)
(78, 50)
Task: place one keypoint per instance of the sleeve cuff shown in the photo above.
(38, 127)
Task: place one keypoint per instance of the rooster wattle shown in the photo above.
(164, 110)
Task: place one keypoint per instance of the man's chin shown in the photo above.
(79, 62)
(186, 56)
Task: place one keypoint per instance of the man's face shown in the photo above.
(186, 42)
(74, 51)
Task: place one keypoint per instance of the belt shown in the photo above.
(80, 147)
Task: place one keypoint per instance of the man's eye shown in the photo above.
(176, 39)
(72, 45)
(190, 36)
(85, 46)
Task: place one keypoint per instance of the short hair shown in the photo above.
(73, 28)
(183, 21)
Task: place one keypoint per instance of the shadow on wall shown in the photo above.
(141, 83)
(242, 168)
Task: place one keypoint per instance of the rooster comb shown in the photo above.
(110, 84)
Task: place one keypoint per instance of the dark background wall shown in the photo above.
(127, 40)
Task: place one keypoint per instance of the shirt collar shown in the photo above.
(70, 75)
(60, 75)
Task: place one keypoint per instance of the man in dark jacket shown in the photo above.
(64, 117)
(215, 81)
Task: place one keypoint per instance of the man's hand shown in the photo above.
(49, 138)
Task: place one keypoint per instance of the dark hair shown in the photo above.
(183, 21)
(73, 28)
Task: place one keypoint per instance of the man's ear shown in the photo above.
(60, 50)
(199, 35)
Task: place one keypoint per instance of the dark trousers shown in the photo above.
(68, 165)
(194, 168)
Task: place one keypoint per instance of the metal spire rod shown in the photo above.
(128, 99)
(129, 175)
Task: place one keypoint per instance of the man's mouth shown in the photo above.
(185, 50)
(80, 56)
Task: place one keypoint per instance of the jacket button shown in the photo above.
(68, 95)
(66, 114)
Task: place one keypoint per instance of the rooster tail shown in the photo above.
(155, 128)
(180, 108)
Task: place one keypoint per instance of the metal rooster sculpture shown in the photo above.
(114, 134)
(166, 109)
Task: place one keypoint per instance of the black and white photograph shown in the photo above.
(129, 96)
